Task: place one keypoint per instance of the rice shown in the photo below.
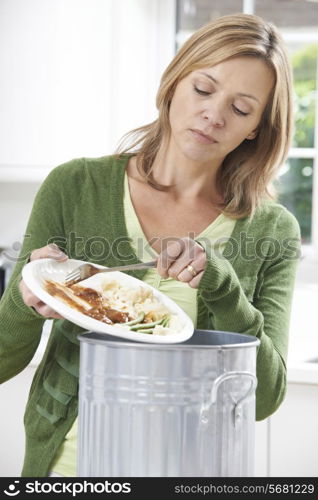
(137, 300)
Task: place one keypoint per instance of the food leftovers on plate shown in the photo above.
(132, 308)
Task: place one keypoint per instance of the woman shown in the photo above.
(193, 188)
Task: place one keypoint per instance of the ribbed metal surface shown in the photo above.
(146, 410)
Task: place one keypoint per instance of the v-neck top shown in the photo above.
(216, 234)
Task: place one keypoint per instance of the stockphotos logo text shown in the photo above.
(73, 488)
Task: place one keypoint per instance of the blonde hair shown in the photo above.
(245, 176)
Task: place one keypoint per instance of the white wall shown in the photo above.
(75, 76)
(55, 58)
(13, 396)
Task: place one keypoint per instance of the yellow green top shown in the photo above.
(185, 296)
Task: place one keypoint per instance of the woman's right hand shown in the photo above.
(51, 251)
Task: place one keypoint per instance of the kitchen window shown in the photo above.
(297, 184)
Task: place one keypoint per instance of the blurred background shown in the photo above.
(75, 76)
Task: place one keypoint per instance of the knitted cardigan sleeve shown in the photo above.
(21, 326)
(266, 316)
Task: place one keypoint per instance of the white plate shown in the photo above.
(35, 274)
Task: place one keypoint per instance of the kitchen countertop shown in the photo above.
(303, 373)
(303, 346)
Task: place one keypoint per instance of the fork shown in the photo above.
(85, 271)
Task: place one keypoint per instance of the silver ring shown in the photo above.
(191, 270)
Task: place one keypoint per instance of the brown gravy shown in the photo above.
(97, 309)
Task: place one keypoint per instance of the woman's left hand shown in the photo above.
(184, 260)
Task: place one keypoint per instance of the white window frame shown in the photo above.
(309, 152)
(310, 251)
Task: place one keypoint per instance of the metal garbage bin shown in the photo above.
(159, 410)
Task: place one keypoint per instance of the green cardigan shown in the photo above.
(80, 207)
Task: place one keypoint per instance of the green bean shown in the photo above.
(140, 326)
(136, 320)
(165, 321)
(145, 330)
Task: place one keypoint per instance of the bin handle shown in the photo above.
(238, 406)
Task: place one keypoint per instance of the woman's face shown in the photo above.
(214, 109)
